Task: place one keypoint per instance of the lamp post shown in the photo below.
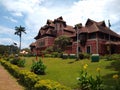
(77, 44)
(77, 26)
(109, 38)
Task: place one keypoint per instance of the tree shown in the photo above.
(19, 31)
(62, 42)
(9, 49)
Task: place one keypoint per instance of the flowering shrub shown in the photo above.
(27, 78)
(18, 61)
(87, 82)
(49, 85)
(38, 67)
(116, 78)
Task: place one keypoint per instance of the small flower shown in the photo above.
(115, 76)
(85, 66)
(77, 78)
(98, 69)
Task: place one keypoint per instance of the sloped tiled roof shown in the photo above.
(46, 28)
(69, 28)
(83, 30)
(92, 26)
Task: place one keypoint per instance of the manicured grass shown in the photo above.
(66, 71)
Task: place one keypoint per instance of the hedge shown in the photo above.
(49, 85)
(30, 80)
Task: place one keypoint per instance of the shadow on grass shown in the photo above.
(73, 61)
(109, 82)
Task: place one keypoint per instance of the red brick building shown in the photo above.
(94, 37)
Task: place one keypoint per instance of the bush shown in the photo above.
(81, 56)
(48, 55)
(38, 67)
(49, 85)
(21, 63)
(55, 54)
(88, 82)
(86, 56)
(28, 78)
(15, 60)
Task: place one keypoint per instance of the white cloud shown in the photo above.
(6, 41)
(37, 12)
(17, 14)
(10, 19)
(6, 35)
(5, 30)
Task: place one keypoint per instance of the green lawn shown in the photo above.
(66, 71)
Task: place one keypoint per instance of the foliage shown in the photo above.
(56, 54)
(86, 56)
(38, 67)
(21, 63)
(30, 80)
(49, 49)
(88, 82)
(49, 85)
(8, 49)
(117, 83)
(18, 61)
(15, 60)
(81, 55)
(62, 42)
(47, 55)
(19, 31)
(111, 57)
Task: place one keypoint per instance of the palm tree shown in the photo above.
(19, 31)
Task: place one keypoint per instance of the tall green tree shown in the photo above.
(18, 31)
(62, 42)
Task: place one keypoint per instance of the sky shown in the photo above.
(33, 14)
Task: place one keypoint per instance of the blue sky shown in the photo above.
(32, 14)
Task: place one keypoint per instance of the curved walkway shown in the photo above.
(7, 82)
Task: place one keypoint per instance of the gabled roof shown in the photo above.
(93, 26)
(48, 29)
(90, 22)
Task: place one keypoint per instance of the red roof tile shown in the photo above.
(93, 26)
(69, 28)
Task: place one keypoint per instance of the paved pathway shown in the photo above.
(7, 82)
